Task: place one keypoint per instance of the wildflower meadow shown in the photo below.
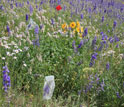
(61, 53)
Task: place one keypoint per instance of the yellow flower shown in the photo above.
(78, 29)
(64, 26)
(78, 24)
(72, 25)
(80, 35)
(82, 29)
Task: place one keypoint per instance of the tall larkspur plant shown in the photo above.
(6, 79)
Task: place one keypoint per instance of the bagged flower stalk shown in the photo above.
(49, 86)
(31, 25)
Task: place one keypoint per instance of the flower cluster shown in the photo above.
(6, 78)
(94, 82)
(75, 27)
(93, 58)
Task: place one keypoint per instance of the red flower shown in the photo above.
(58, 7)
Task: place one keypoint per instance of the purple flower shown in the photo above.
(52, 22)
(121, 9)
(105, 11)
(101, 46)
(41, 2)
(82, 16)
(36, 42)
(81, 43)
(101, 33)
(85, 32)
(114, 24)
(117, 94)
(16, 4)
(27, 2)
(36, 30)
(11, 6)
(31, 9)
(6, 78)
(46, 90)
(94, 8)
(93, 58)
(36, 6)
(26, 17)
(117, 46)
(64, 8)
(59, 2)
(1, 7)
(102, 18)
(107, 66)
(116, 39)
(8, 29)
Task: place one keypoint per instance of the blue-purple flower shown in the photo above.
(36, 30)
(31, 9)
(8, 29)
(26, 17)
(46, 90)
(82, 16)
(81, 43)
(85, 32)
(114, 24)
(117, 94)
(102, 19)
(6, 79)
(107, 66)
(93, 58)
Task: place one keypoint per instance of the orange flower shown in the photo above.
(64, 26)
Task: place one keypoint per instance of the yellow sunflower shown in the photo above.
(64, 26)
(72, 25)
(82, 29)
(78, 29)
(80, 35)
(78, 24)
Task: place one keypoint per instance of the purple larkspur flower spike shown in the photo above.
(81, 43)
(107, 66)
(26, 17)
(117, 94)
(36, 30)
(82, 16)
(114, 24)
(31, 9)
(6, 79)
(46, 90)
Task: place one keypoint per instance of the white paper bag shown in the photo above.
(49, 86)
(31, 25)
